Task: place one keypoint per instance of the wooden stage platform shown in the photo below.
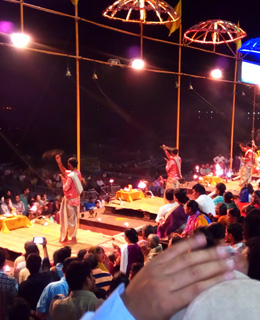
(14, 241)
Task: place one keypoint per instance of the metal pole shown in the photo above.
(21, 16)
(253, 117)
(77, 82)
(179, 91)
(141, 39)
(233, 116)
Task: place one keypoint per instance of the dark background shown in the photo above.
(38, 102)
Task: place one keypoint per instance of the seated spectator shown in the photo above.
(206, 204)
(255, 203)
(19, 309)
(252, 224)
(196, 218)
(5, 207)
(89, 205)
(219, 191)
(31, 289)
(51, 290)
(61, 255)
(101, 256)
(119, 278)
(234, 237)
(8, 287)
(101, 201)
(7, 193)
(233, 215)
(155, 247)
(146, 230)
(32, 248)
(103, 278)
(130, 251)
(218, 233)
(169, 204)
(229, 200)
(18, 205)
(81, 299)
(221, 213)
(246, 193)
(135, 268)
(176, 221)
(253, 254)
(202, 170)
(20, 262)
(81, 254)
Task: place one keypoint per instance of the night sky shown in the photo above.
(123, 111)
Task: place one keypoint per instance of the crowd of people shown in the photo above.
(115, 283)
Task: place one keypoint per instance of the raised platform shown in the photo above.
(14, 241)
(146, 208)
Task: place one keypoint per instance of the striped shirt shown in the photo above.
(103, 279)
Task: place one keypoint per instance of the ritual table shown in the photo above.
(130, 196)
(14, 222)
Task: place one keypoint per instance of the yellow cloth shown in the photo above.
(129, 195)
(19, 221)
(211, 180)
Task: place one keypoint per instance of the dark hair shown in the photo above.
(135, 268)
(131, 234)
(33, 263)
(169, 194)
(18, 309)
(234, 212)
(249, 144)
(6, 197)
(217, 230)
(228, 197)
(181, 196)
(92, 260)
(175, 151)
(193, 205)
(221, 187)
(199, 188)
(253, 257)
(222, 209)
(81, 254)
(208, 235)
(2, 258)
(76, 274)
(63, 253)
(236, 230)
(148, 229)
(119, 278)
(257, 192)
(67, 262)
(252, 224)
(73, 161)
(31, 248)
(250, 188)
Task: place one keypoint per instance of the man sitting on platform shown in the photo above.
(206, 204)
(90, 204)
(19, 205)
(5, 206)
(170, 204)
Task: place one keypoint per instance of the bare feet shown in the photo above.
(65, 240)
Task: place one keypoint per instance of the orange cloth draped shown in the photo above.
(129, 195)
(12, 223)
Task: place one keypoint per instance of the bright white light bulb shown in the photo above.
(137, 64)
(216, 74)
(20, 40)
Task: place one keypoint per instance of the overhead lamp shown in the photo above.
(95, 77)
(68, 73)
(20, 40)
(137, 64)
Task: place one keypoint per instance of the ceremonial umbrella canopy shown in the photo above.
(142, 11)
(214, 32)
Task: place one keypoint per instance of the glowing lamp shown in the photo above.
(111, 181)
(142, 184)
(197, 168)
(200, 178)
(195, 177)
(20, 40)
(137, 64)
(216, 74)
(219, 170)
(99, 219)
(126, 224)
(229, 174)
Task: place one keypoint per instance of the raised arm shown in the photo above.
(60, 165)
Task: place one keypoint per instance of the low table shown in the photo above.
(12, 223)
(129, 196)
